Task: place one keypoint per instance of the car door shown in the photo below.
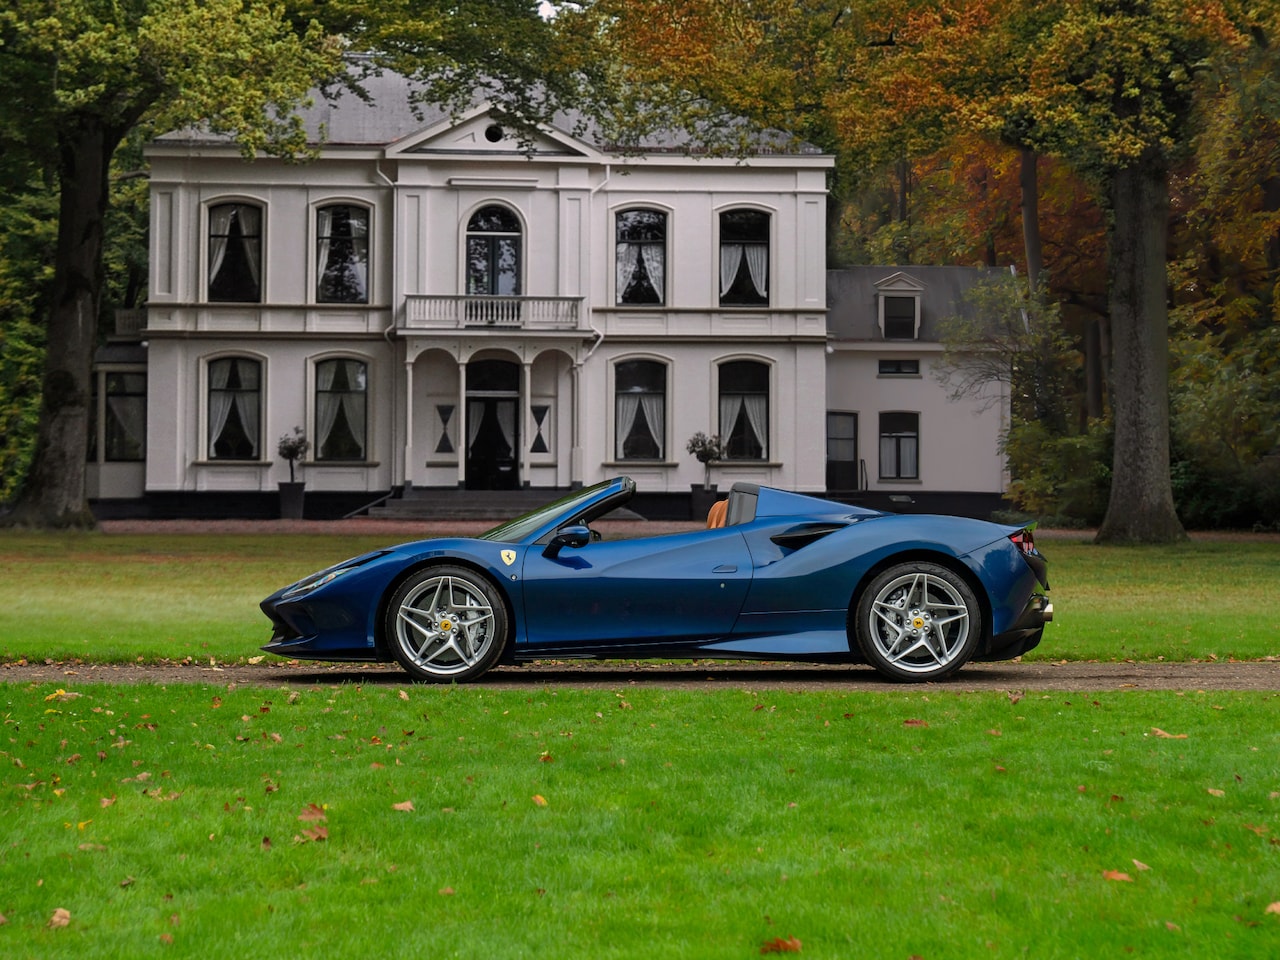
(685, 586)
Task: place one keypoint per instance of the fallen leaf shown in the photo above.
(166, 938)
(1273, 908)
(107, 801)
(446, 891)
(995, 733)
(311, 812)
(1015, 696)
(1140, 865)
(1168, 736)
(313, 834)
(403, 695)
(913, 722)
(1214, 791)
(546, 757)
(404, 807)
(1170, 925)
(62, 696)
(778, 945)
(539, 800)
(1116, 875)
(61, 917)
(266, 843)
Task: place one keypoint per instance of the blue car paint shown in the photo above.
(737, 591)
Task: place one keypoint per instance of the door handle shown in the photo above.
(726, 568)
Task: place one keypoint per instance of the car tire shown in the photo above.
(917, 622)
(446, 624)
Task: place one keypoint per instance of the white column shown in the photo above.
(575, 418)
(408, 423)
(463, 429)
(526, 421)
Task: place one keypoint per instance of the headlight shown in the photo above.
(318, 580)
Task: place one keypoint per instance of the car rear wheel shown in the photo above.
(446, 624)
(917, 621)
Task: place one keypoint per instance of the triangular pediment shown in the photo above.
(899, 283)
(478, 133)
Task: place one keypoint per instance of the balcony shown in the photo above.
(424, 312)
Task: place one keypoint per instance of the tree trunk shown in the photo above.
(54, 492)
(1141, 507)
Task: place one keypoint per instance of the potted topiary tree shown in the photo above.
(292, 448)
(706, 449)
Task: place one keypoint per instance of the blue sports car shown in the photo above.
(775, 576)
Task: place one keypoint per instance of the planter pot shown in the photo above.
(291, 500)
(700, 500)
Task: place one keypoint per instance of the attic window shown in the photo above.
(900, 317)
(494, 133)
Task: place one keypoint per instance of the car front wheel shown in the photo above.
(446, 624)
(918, 622)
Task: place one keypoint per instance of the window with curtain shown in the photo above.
(744, 409)
(744, 258)
(235, 404)
(899, 446)
(341, 409)
(342, 254)
(640, 409)
(493, 253)
(124, 417)
(235, 253)
(641, 245)
(900, 318)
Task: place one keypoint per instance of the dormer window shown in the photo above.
(898, 307)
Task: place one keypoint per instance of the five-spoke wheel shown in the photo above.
(917, 621)
(446, 623)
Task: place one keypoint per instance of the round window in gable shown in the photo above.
(493, 133)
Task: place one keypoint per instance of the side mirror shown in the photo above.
(571, 535)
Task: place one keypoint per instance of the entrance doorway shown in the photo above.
(493, 425)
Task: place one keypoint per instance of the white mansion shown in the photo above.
(437, 306)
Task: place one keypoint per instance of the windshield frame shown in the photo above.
(585, 505)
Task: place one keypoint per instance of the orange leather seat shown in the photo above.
(716, 515)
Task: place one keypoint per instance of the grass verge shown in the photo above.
(116, 598)
(439, 822)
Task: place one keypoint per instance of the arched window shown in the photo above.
(341, 409)
(744, 258)
(744, 409)
(342, 254)
(493, 253)
(640, 409)
(235, 253)
(641, 251)
(235, 409)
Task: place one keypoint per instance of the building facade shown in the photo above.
(437, 304)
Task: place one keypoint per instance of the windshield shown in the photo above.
(514, 531)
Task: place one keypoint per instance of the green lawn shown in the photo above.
(390, 820)
(120, 597)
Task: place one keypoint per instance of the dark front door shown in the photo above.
(493, 431)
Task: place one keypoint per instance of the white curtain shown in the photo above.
(219, 226)
(730, 405)
(131, 414)
(757, 407)
(628, 404)
(251, 227)
(220, 400)
(507, 424)
(654, 256)
(247, 401)
(327, 403)
(653, 412)
(353, 401)
(475, 410)
(757, 255)
(730, 258)
(908, 449)
(628, 257)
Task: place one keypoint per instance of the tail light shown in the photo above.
(1025, 541)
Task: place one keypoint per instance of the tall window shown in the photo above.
(744, 409)
(642, 256)
(842, 451)
(640, 409)
(341, 409)
(900, 318)
(899, 446)
(744, 258)
(342, 254)
(493, 253)
(235, 253)
(120, 406)
(235, 404)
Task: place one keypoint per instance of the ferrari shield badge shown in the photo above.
(508, 557)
